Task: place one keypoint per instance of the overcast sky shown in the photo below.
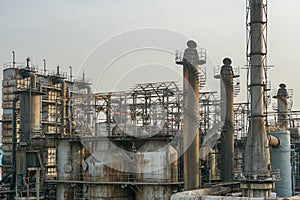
(78, 33)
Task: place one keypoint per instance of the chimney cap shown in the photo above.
(282, 85)
(227, 61)
(191, 44)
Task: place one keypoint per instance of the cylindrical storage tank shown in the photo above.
(107, 164)
(156, 162)
(30, 115)
(280, 159)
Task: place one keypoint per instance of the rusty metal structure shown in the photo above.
(61, 140)
(190, 61)
(36, 117)
(127, 132)
(227, 134)
(227, 90)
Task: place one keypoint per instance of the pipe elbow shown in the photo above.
(273, 141)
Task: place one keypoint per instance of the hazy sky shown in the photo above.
(72, 32)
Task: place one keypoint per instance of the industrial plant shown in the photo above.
(158, 140)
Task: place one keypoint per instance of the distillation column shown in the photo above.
(191, 139)
(29, 164)
(257, 155)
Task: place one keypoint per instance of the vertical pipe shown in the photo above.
(38, 183)
(71, 74)
(191, 117)
(44, 61)
(227, 134)
(108, 114)
(212, 164)
(64, 106)
(14, 58)
(14, 143)
(27, 62)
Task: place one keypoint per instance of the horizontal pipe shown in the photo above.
(202, 193)
(111, 183)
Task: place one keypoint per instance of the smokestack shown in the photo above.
(282, 106)
(227, 135)
(57, 70)
(27, 62)
(191, 137)
(257, 155)
(44, 61)
(14, 59)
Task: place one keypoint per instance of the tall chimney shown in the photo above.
(227, 134)
(191, 138)
(257, 155)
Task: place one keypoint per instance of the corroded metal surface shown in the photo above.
(153, 192)
(191, 136)
(156, 161)
(227, 134)
(109, 192)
